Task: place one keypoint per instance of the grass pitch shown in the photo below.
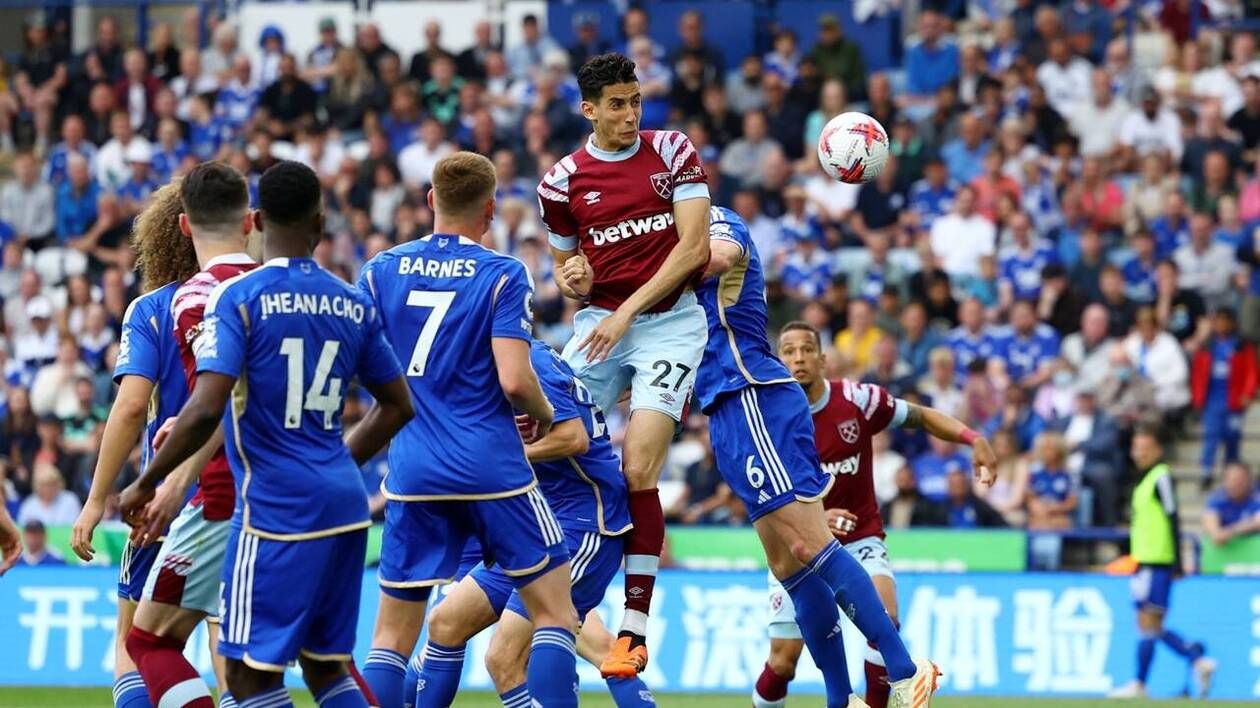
(100, 698)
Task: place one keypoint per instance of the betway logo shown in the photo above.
(632, 227)
(848, 465)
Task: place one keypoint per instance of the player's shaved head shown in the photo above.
(463, 186)
(215, 196)
(289, 194)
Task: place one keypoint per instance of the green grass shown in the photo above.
(100, 698)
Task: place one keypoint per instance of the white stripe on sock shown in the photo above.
(183, 693)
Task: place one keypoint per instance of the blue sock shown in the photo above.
(516, 698)
(439, 677)
(1183, 648)
(275, 698)
(227, 701)
(383, 671)
(630, 693)
(341, 694)
(1146, 654)
(129, 691)
(819, 619)
(410, 679)
(856, 594)
(552, 672)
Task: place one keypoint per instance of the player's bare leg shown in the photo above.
(219, 663)
(129, 688)
(648, 435)
(771, 688)
(463, 612)
(553, 654)
(156, 643)
(398, 623)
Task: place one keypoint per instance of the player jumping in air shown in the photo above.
(759, 425)
(283, 343)
(846, 416)
(151, 388)
(627, 218)
(460, 318)
(1155, 543)
(580, 476)
(183, 586)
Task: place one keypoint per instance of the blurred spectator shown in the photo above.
(885, 464)
(931, 62)
(41, 74)
(786, 56)
(785, 121)
(1246, 120)
(289, 103)
(350, 92)
(1029, 347)
(706, 498)
(374, 50)
(1088, 351)
(1150, 128)
(1060, 302)
(962, 237)
(692, 43)
(744, 159)
(1157, 356)
(589, 44)
(416, 161)
(50, 504)
(992, 185)
(423, 60)
(932, 196)
(743, 87)
(1064, 77)
(1016, 416)
(1233, 510)
(856, 342)
(1224, 378)
(321, 60)
(919, 342)
(1206, 267)
(37, 346)
(1179, 310)
(237, 100)
(1022, 263)
(838, 57)
(53, 391)
(941, 384)
(964, 509)
(932, 469)
(888, 370)
(1121, 311)
(134, 92)
(1149, 196)
(964, 155)
(1094, 453)
(1052, 494)
(971, 340)
(35, 550)
(26, 203)
(909, 508)
(535, 44)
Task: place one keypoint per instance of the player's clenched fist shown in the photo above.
(577, 275)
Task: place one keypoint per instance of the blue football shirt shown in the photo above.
(738, 352)
(294, 336)
(147, 348)
(587, 492)
(443, 299)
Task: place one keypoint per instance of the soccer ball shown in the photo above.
(853, 148)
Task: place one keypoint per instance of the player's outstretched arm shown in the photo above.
(194, 426)
(567, 439)
(520, 383)
(690, 254)
(122, 429)
(391, 411)
(946, 427)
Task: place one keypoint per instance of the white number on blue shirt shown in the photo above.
(583, 395)
(440, 301)
(315, 399)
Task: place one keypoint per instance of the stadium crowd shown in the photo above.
(1062, 247)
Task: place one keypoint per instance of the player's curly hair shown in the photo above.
(604, 70)
(163, 253)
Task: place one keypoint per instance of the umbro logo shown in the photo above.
(591, 197)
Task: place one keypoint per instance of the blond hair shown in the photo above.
(163, 253)
(462, 183)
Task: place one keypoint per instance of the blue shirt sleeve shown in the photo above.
(732, 233)
(513, 304)
(220, 348)
(138, 346)
(377, 362)
(559, 391)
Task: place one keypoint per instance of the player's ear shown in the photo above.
(247, 222)
(428, 198)
(184, 227)
(588, 109)
(256, 219)
(489, 211)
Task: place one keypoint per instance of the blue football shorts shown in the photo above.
(285, 599)
(656, 360)
(763, 437)
(1152, 587)
(424, 542)
(594, 562)
(133, 570)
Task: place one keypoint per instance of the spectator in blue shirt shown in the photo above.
(1017, 417)
(1139, 271)
(971, 339)
(1171, 229)
(1088, 24)
(807, 271)
(76, 200)
(236, 102)
(1052, 493)
(932, 468)
(169, 151)
(73, 142)
(933, 61)
(964, 155)
(918, 340)
(965, 509)
(206, 131)
(134, 193)
(1233, 510)
(932, 196)
(1029, 347)
(35, 546)
(1021, 265)
(402, 122)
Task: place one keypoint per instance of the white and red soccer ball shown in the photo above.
(853, 148)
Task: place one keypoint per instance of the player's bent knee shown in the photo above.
(446, 627)
(504, 667)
